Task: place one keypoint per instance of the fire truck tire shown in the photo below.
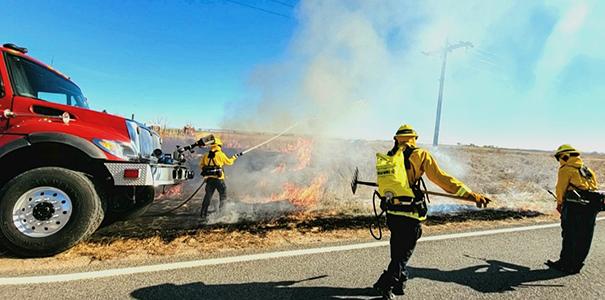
(144, 198)
(48, 210)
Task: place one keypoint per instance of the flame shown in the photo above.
(175, 191)
(302, 197)
(302, 149)
(303, 153)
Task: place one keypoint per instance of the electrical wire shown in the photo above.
(259, 9)
(283, 3)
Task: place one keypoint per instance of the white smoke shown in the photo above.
(356, 69)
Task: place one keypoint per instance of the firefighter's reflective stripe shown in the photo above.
(463, 190)
(406, 208)
(413, 215)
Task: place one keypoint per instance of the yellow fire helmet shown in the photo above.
(406, 130)
(565, 149)
(218, 141)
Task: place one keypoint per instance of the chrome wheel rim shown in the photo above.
(42, 211)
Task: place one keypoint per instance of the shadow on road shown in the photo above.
(252, 290)
(493, 276)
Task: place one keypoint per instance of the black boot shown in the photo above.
(387, 294)
(562, 267)
(204, 216)
(399, 288)
(383, 286)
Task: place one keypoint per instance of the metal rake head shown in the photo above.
(354, 181)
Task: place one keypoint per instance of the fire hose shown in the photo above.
(182, 203)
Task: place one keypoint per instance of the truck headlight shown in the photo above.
(122, 150)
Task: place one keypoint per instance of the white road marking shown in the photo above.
(245, 258)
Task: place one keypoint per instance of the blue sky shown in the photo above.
(534, 78)
(176, 60)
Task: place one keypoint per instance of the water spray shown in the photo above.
(269, 140)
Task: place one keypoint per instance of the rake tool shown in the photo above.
(355, 182)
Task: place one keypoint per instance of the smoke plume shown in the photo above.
(356, 70)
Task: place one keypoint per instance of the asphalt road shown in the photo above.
(497, 266)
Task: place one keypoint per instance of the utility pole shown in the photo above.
(447, 48)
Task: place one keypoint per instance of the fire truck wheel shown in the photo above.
(144, 198)
(48, 210)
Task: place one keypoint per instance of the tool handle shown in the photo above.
(448, 195)
(367, 183)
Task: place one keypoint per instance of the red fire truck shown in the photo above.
(67, 169)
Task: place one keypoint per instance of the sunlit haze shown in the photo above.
(351, 69)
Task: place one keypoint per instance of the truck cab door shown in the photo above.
(5, 94)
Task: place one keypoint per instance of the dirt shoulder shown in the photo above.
(163, 244)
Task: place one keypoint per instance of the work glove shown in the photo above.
(479, 199)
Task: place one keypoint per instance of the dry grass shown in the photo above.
(228, 239)
(287, 231)
(515, 178)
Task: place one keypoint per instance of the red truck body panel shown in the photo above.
(85, 123)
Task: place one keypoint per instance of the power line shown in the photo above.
(259, 8)
(282, 3)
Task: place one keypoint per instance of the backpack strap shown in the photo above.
(211, 156)
(406, 155)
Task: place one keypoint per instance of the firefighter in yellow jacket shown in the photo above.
(578, 203)
(404, 219)
(212, 164)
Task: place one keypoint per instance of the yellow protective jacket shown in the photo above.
(220, 160)
(569, 176)
(421, 162)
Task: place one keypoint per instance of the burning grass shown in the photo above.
(312, 174)
(290, 192)
(296, 191)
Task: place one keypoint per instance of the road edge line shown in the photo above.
(251, 257)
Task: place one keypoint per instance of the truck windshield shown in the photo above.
(35, 81)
